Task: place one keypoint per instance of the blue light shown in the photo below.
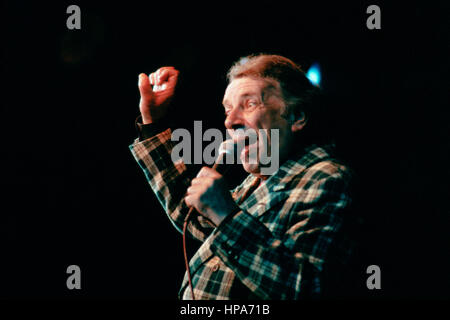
(313, 74)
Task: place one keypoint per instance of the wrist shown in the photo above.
(149, 129)
(146, 119)
(155, 117)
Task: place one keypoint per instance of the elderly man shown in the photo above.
(278, 236)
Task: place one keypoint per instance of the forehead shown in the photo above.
(243, 86)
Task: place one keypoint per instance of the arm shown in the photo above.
(168, 180)
(152, 151)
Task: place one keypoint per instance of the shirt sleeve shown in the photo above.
(146, 131)
(168, 179)
(275, 268)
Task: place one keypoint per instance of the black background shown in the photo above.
(72, 193)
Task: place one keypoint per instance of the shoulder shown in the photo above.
(319, 163)
(326, 169)
(324, 179)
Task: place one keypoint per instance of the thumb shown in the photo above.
(144, 86)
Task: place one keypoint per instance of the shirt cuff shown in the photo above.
(146, 131)
(228, 218)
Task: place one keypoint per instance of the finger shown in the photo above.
(155, 81)
(208, 172)
(201, 181)
(162, 75)
(150, 77)
(158, 77)
(192, 189)
(167, 68)
(158, 72)
(169, 74)
(203, 172)
(142, 78)
(144, 85)
(165, 72)
(189, 200)
(155, 76)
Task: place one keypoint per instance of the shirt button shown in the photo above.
(215, 267)
(236, 257)
(230, 252)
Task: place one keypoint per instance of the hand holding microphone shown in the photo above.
(209, 193)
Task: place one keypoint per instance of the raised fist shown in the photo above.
(155, 101)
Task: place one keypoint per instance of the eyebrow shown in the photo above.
(242, 96)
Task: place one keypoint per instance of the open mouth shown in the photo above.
(247, 145)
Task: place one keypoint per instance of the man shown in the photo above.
(279, 236)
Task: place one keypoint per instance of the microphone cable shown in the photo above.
(186, 261)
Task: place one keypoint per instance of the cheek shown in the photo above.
(266, 119)
(275, 121)
(270, 118)
(254, 120)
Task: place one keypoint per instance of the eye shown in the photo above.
(251, 103)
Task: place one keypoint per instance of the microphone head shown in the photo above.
(228, 148)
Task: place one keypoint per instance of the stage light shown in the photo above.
(313, 74)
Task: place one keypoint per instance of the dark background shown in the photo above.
(72, 193)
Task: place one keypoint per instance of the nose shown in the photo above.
(234, 119)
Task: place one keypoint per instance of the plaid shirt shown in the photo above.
(280, 242)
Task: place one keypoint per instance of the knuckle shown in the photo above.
(202, 172)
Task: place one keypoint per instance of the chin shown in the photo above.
(251, 168)
(254, 166)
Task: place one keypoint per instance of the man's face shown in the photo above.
(257, 104)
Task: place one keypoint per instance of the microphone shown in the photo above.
(226, 147)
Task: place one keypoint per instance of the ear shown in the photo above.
(300, 123)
